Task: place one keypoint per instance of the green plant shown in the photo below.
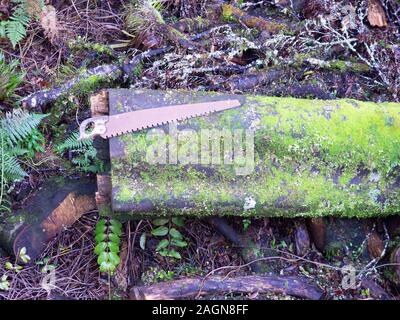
(15, 128)
(171, 238)
(155, 275)
(33, 143)
(10, 78)
(4, 283)
(107, 236)
(15, 27)
(85, 154)
(246, 224)
(142, 14)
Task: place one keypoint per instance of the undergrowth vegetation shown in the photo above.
(10, 79)
(84, 153)
(18, 138)
(19, 134)
(22, 13)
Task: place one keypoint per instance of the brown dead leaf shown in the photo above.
(49, 22)
(376, 14)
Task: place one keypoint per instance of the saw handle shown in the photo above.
(99, 127)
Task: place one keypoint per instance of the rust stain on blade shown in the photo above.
(149, 118)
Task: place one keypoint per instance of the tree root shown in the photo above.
(248, 250)
(193, 287)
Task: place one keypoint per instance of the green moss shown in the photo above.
(338, 65)
(125, 192)
(90, 84)
(81, 44)
(227, 14)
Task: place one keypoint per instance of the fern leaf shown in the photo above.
(15, 31)
(18, 124)
(15, 27)
(12, 169)
(72, 143)
(3, 29)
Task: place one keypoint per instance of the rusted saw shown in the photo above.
(111, 126)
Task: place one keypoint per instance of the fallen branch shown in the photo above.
(40, 98)
(230, 13)
(193, 287)
(337, 65)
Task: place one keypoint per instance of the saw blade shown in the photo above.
(115, 125)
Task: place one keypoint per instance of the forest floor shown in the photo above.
(300, 48)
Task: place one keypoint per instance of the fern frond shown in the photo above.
(15, 27)
(19, 123)
(12, 169)
(10, 78)
(3, 29)
(72, 143)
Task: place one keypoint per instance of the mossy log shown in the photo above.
(193, 287)
(290, 158)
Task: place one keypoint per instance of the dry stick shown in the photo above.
(191, 287)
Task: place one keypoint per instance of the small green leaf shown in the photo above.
(160, 231)
(100, 237)
(47, 268)
(107, 267)
(175, 234)
(142, 241)
(162, 244)
(9, 265)
(178, 221)
(174, 254)
(23, 256)
(101, 222)
(114, 238)
(114, 258)
(113, 247)
(178, 243)
(4, 284)
(160, 222)
(116, 230)
(102, 246)
(100, 229)
(103, 257)
(116, 223)
(163, 252)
